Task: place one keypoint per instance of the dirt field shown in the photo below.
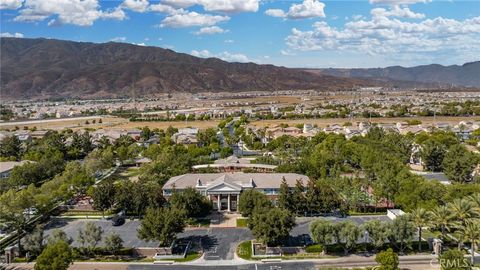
(73, 123)
(121, 123)
(164, 125)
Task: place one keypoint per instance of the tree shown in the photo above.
(321, 231)
(420, 218)
(285, 196)
(33, 242)
(162, 224)
(402, 231)
(271, 227)
(99, 159)
(378, 232)
(250, 200)
(191, 202)
(58, 235)
(10, 147)
(91, 235)
(348, 234)
(103, 196)
(471, 232)
(459, 164)
(56, 256)
(113, 243)
(453, 259)
(462, 209)
(313, 197)
(298, 197)
(442, 217)
(388, 260)
(432, 154)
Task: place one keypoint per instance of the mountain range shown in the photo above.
(48, 68)
(466, 75)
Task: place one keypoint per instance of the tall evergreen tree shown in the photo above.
(313, 197)
(285, 196)
(299, 203)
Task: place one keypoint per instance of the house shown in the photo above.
(235, 164)
(7, 167)
(224, 189)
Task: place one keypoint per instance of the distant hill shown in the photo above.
(467, 75)
(46, 68)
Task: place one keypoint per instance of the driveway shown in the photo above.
(218, 243)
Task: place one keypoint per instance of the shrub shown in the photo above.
(314, 248)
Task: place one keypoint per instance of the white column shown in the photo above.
(228, 203)
(218, 202)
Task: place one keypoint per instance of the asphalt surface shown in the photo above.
(218, 243)
(303, 222)
(259, 266)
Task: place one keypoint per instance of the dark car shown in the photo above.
(118, 220)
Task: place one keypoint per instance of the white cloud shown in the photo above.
(286, 52)
(229, 6)
(228, 41)
(118, 39)
(396, 11)
(136, 5)
(140, 44)
(77, 12)
(202, 53)
(225, 56)
(210, 30)
(192, 19)
(180, 3)
(165, 9)
(275, 13)
(392, 37)
(7, 34)
(356, 17)
(307, 9)
(10, 4)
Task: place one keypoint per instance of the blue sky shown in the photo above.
(306, 33)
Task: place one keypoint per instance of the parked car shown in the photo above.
(118, 220)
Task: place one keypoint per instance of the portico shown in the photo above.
(223, 194)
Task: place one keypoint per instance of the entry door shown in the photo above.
(233, 201)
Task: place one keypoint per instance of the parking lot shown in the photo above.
(218, 243)
(303, 222)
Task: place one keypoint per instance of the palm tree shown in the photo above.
(462, 210)
(471, 231)
(421, 218)
(442, 216)
(475, 199)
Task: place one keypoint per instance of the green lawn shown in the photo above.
(244, 250)
(242, 222)
(189, 257)
(201, 222)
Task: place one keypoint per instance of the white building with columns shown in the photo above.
(223, 189)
